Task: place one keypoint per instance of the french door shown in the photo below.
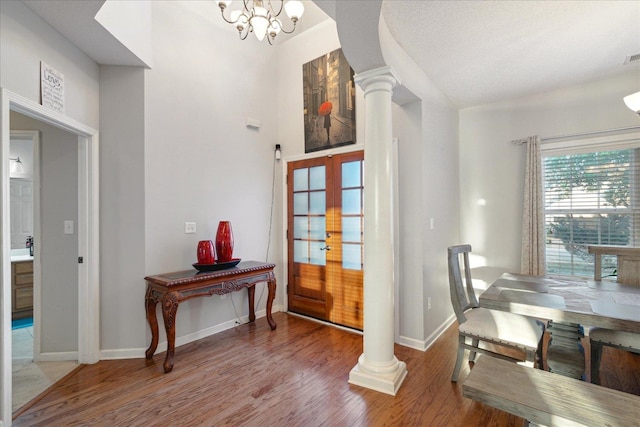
(325, 238)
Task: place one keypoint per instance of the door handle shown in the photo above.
(328, 248)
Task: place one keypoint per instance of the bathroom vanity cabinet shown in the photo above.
(21, 289)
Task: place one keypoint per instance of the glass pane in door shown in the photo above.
(317, 178)
(301, 179)
(351, 174)
(352, 215)
(351, 256)
(317, 227)
(300, 203)
(309, 215)
(351, 229)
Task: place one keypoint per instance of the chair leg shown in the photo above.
(596, 356)
(539, 355)
(456, 369)
(529, 359)
(472, 355)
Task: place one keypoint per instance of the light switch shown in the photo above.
(68, 227)
(189, 227)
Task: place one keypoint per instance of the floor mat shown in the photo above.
(22, 323)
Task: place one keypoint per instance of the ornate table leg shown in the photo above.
(150, 301)
(251, 290)
(170, 303)
(272, 295)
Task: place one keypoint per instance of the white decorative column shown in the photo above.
(378, 368)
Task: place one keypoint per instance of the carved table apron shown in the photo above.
(170, 289)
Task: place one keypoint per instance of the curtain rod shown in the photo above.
(595, 132)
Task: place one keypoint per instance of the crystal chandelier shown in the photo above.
(261, 18)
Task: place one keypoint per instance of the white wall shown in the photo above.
(410, 188)
(202, 163)
(429, 190)
(491, 168)
(25, 40)
(59, 251)
(122, 210)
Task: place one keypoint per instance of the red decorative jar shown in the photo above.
(206, 253)
(224, 242)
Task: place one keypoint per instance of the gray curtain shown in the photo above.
(532, 256)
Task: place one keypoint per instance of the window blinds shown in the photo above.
(591, 198)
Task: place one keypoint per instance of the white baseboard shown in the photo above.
(423, 345)
(57, 357)
(412, 343)
(138, 353)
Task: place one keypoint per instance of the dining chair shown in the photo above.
(600, 337)
(480, 325)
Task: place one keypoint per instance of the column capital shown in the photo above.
(377, 75)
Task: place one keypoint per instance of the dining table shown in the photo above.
(603, 303)
(570, 304)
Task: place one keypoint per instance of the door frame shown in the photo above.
(396, 205)
(283, 237)
(88, 236)
(34, 136)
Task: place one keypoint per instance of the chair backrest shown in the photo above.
(462, 299)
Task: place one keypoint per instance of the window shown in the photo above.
(591, 198)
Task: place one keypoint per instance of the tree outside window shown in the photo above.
(588, 201)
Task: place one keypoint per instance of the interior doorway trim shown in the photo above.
(88, 236)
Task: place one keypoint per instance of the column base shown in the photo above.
(387, 382)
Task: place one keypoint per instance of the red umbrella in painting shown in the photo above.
(325, 108)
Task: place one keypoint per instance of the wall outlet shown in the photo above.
(223, 297)
(429, 303)
(189, 227)
(68, 227)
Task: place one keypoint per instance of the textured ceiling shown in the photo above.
(478, 52)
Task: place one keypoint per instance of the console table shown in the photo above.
(170, 289)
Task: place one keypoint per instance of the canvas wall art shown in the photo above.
(329, 102)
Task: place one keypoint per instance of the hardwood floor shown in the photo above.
(293, 376)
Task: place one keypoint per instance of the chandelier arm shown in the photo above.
(246, 33)
(227, 20)
(289, 32)
(273, 10)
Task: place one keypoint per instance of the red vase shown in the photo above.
(224, 242)
(206, 254)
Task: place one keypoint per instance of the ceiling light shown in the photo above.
(633, 102)
(260, 17)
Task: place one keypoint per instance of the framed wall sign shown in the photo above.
(51, 88)
(329, 102)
